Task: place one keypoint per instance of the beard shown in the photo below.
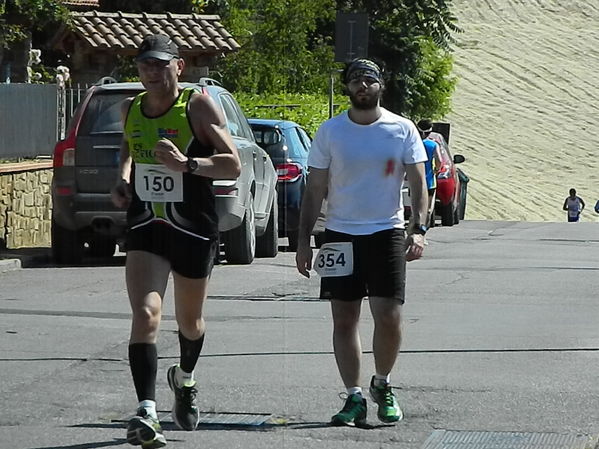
(365, 102)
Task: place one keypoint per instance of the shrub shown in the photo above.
(308, 110)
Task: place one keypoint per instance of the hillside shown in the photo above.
(526, 108)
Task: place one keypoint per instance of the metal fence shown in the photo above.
(33, 117)
(72, 97)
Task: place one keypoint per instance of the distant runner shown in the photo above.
(574, 205)
(431, 166)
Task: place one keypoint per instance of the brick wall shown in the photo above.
(25, 204)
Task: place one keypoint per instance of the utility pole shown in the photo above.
(351, 42)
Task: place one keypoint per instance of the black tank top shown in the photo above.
(196, 214)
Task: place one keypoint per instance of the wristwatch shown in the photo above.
(419, 229)
(192, 165)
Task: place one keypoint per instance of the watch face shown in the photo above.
(192, 165)
(420, 229)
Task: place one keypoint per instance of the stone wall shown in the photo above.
(25, 204)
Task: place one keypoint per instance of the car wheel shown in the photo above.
(463, 196)
(240, 243)
(67, 245)
(102, 246)
(267, 245)
(447, 215)
(456, 214)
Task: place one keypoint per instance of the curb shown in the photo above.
(11, 260)
(9, 265)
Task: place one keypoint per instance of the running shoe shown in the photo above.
(185, 413)
(145, 431)
(353, 412)
(389, 410)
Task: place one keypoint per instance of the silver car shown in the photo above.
(84, 220)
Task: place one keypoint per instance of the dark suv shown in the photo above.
(85, 169)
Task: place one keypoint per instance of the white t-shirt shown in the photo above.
(366, 170)
(574, 206)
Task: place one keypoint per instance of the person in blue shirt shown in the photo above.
(432, 165)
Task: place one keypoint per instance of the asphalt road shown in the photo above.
(501, 334)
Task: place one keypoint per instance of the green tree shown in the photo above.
(413, 38)
(161, 6)
(209, 6)
(307, 109)
(287, 46)
(149, 6)
(18, 19)
(433, 85)
(281, 51)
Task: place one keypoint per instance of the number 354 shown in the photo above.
(329, 260)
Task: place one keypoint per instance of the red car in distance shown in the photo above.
(452, 183)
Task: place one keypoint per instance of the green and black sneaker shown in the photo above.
(389, 410)
(185, 412)
(145, 431)
(353, 412)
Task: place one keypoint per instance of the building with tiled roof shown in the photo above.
(79, 5)
(96, 39)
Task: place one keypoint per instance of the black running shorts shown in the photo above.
(379, 267)
(189, 256)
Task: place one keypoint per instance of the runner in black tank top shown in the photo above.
(164, 181)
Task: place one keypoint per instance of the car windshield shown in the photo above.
(103, 113)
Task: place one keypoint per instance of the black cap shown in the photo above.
(157, 46)
(363, 67)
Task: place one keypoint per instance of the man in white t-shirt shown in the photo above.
(358, 161)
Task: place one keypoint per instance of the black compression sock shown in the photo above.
(143, 361)
(190, 352)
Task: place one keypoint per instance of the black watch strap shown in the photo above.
(420, 229)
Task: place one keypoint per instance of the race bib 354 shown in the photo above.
(335, 259)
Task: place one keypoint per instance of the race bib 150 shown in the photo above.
(157, 183)
(335, 259)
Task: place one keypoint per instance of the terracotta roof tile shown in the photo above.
(76, 3)
(191, 32)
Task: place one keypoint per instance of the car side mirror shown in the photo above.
(458, 158)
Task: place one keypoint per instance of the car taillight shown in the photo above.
(64, 153)
(64, 191)
(225, 190)
(444, 173)
(289, 171)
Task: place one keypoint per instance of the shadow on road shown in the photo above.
(97, 444)
(41, 257)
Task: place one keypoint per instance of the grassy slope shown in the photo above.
(526, 110)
